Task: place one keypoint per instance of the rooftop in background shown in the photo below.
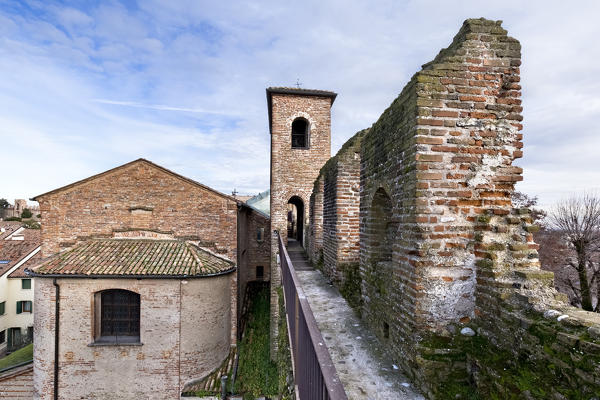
(261, 202)
(8, 227)
(13, 251)
(138, 258)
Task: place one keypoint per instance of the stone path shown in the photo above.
(360, 360)
(298, 256)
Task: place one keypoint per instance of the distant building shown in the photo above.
(17, 209)
(19, 249)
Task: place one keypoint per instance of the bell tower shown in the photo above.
(300, 126)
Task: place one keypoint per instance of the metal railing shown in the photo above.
(314, 372)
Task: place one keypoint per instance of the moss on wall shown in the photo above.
(351, 285)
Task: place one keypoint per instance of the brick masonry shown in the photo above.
(315, 224)
(293, 170)
(254, 250)
(185, 330)
(441, 247)
(341, 209)
(138, 195)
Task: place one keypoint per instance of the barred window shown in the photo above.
(120, 314)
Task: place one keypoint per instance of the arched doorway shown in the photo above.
(295, 220)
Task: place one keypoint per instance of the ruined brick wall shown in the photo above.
(441, 246)
(184, 331)
(315, 224)
(139, 195)
(341, 208)
(436, 158)
(294, 170)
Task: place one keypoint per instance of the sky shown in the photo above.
(89, 85)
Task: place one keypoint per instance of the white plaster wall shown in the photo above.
(194, 313)
(11, 292)
(205, 325)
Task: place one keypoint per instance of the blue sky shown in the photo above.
(90, 85)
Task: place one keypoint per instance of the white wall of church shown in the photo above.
(185, 333)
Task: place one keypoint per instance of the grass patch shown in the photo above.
(284, 358)
(257, 375)
(19, 356)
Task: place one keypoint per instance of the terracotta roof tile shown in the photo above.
(9, 227)
(135, 257)
(32, 262)
(13, 251)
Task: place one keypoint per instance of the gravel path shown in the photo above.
(359, 358)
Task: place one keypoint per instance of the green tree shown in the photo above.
(4, 203)
(26, 213)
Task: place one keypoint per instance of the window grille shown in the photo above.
(120, 315)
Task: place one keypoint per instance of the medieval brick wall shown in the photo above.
(341, 208)
(185, 330)
(441, 247)
(315, 224)
(294, 170)
(138, 195)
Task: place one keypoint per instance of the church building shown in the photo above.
(137, 292)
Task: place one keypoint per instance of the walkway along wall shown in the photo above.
(442, 249)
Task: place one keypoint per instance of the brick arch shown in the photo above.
(300, 222)
(312, 124)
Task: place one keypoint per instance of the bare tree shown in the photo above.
(578, 219)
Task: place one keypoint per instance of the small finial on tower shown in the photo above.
(298, 83)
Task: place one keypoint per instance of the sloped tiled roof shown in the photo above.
(135, 258)
(9, 227)
(14, 251)
(32, 262)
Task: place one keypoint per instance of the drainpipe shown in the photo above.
(56, 332)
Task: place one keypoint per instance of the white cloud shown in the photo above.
(182, 82)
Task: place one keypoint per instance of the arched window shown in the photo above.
(300, 133)
(382, 228)
(117, 316)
